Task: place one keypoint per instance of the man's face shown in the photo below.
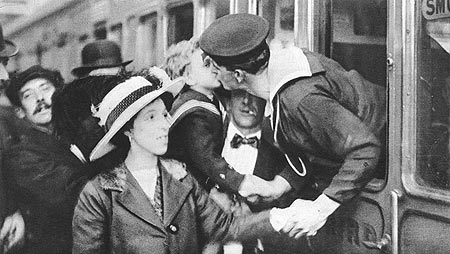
(36, 99)
(246, 110)
(239, 79)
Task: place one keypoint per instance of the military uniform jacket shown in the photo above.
(196, 138)
(114, 215)
(334, 121)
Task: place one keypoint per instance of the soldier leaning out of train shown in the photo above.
(41, 172)
(149, 204)
(329, 122)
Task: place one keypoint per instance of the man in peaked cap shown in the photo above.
(102, 57)
(329, 122)
(12, 227)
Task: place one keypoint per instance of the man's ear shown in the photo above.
(239, 75)
(19, 112)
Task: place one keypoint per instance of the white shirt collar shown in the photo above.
(232, 129)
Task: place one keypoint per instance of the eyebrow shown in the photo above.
(41, 85)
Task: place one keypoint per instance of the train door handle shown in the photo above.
(383, 244)
(390, 61)
(389, 243)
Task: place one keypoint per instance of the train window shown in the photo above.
(356, 34)
(115, 33)
(359, 37)
(181, 23)
(100, 30)
(280, 15)
(146, 42)
(433, 99)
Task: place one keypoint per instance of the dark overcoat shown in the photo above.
(8, 125)
(114, 215)
(45, 179)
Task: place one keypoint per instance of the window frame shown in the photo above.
(409, 168)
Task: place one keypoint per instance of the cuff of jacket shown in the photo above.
(231, 180)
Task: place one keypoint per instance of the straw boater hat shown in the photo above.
(122, 103)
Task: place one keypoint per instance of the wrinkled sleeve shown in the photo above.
(336, 129)
(90, 222)
(222, 226)
(201, 145)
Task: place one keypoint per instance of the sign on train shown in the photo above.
(435, 9)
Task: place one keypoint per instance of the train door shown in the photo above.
(421, 197)
(408, 209)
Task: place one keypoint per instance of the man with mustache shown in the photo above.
(42, 170)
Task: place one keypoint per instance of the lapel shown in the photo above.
(175, 193)
(134, 200)
(263, 161)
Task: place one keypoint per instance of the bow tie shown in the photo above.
(238, 141)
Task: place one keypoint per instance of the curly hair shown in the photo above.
(20, 79)
(178, 57)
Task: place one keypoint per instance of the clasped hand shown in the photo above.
(12, 233)
(303, 217)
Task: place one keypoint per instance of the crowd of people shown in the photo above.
(228, 148)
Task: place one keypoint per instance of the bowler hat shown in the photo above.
(7, 48)
(99, 54)
(235, 37)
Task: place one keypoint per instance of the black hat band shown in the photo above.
(105, 61)
(125, 103)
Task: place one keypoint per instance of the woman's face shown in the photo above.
(150, 129)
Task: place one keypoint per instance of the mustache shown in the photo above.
(41, 106)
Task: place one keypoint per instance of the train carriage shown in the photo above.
(403, 45)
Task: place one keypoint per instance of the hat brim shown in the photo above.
(82, 70)
(104, 146)
(9, 50)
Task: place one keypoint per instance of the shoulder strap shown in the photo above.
(190, 106)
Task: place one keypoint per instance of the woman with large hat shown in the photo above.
(148, 204)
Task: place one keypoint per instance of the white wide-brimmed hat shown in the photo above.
(123, 102)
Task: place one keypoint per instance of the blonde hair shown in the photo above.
(178, 57)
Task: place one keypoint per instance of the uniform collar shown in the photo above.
(285, 65)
